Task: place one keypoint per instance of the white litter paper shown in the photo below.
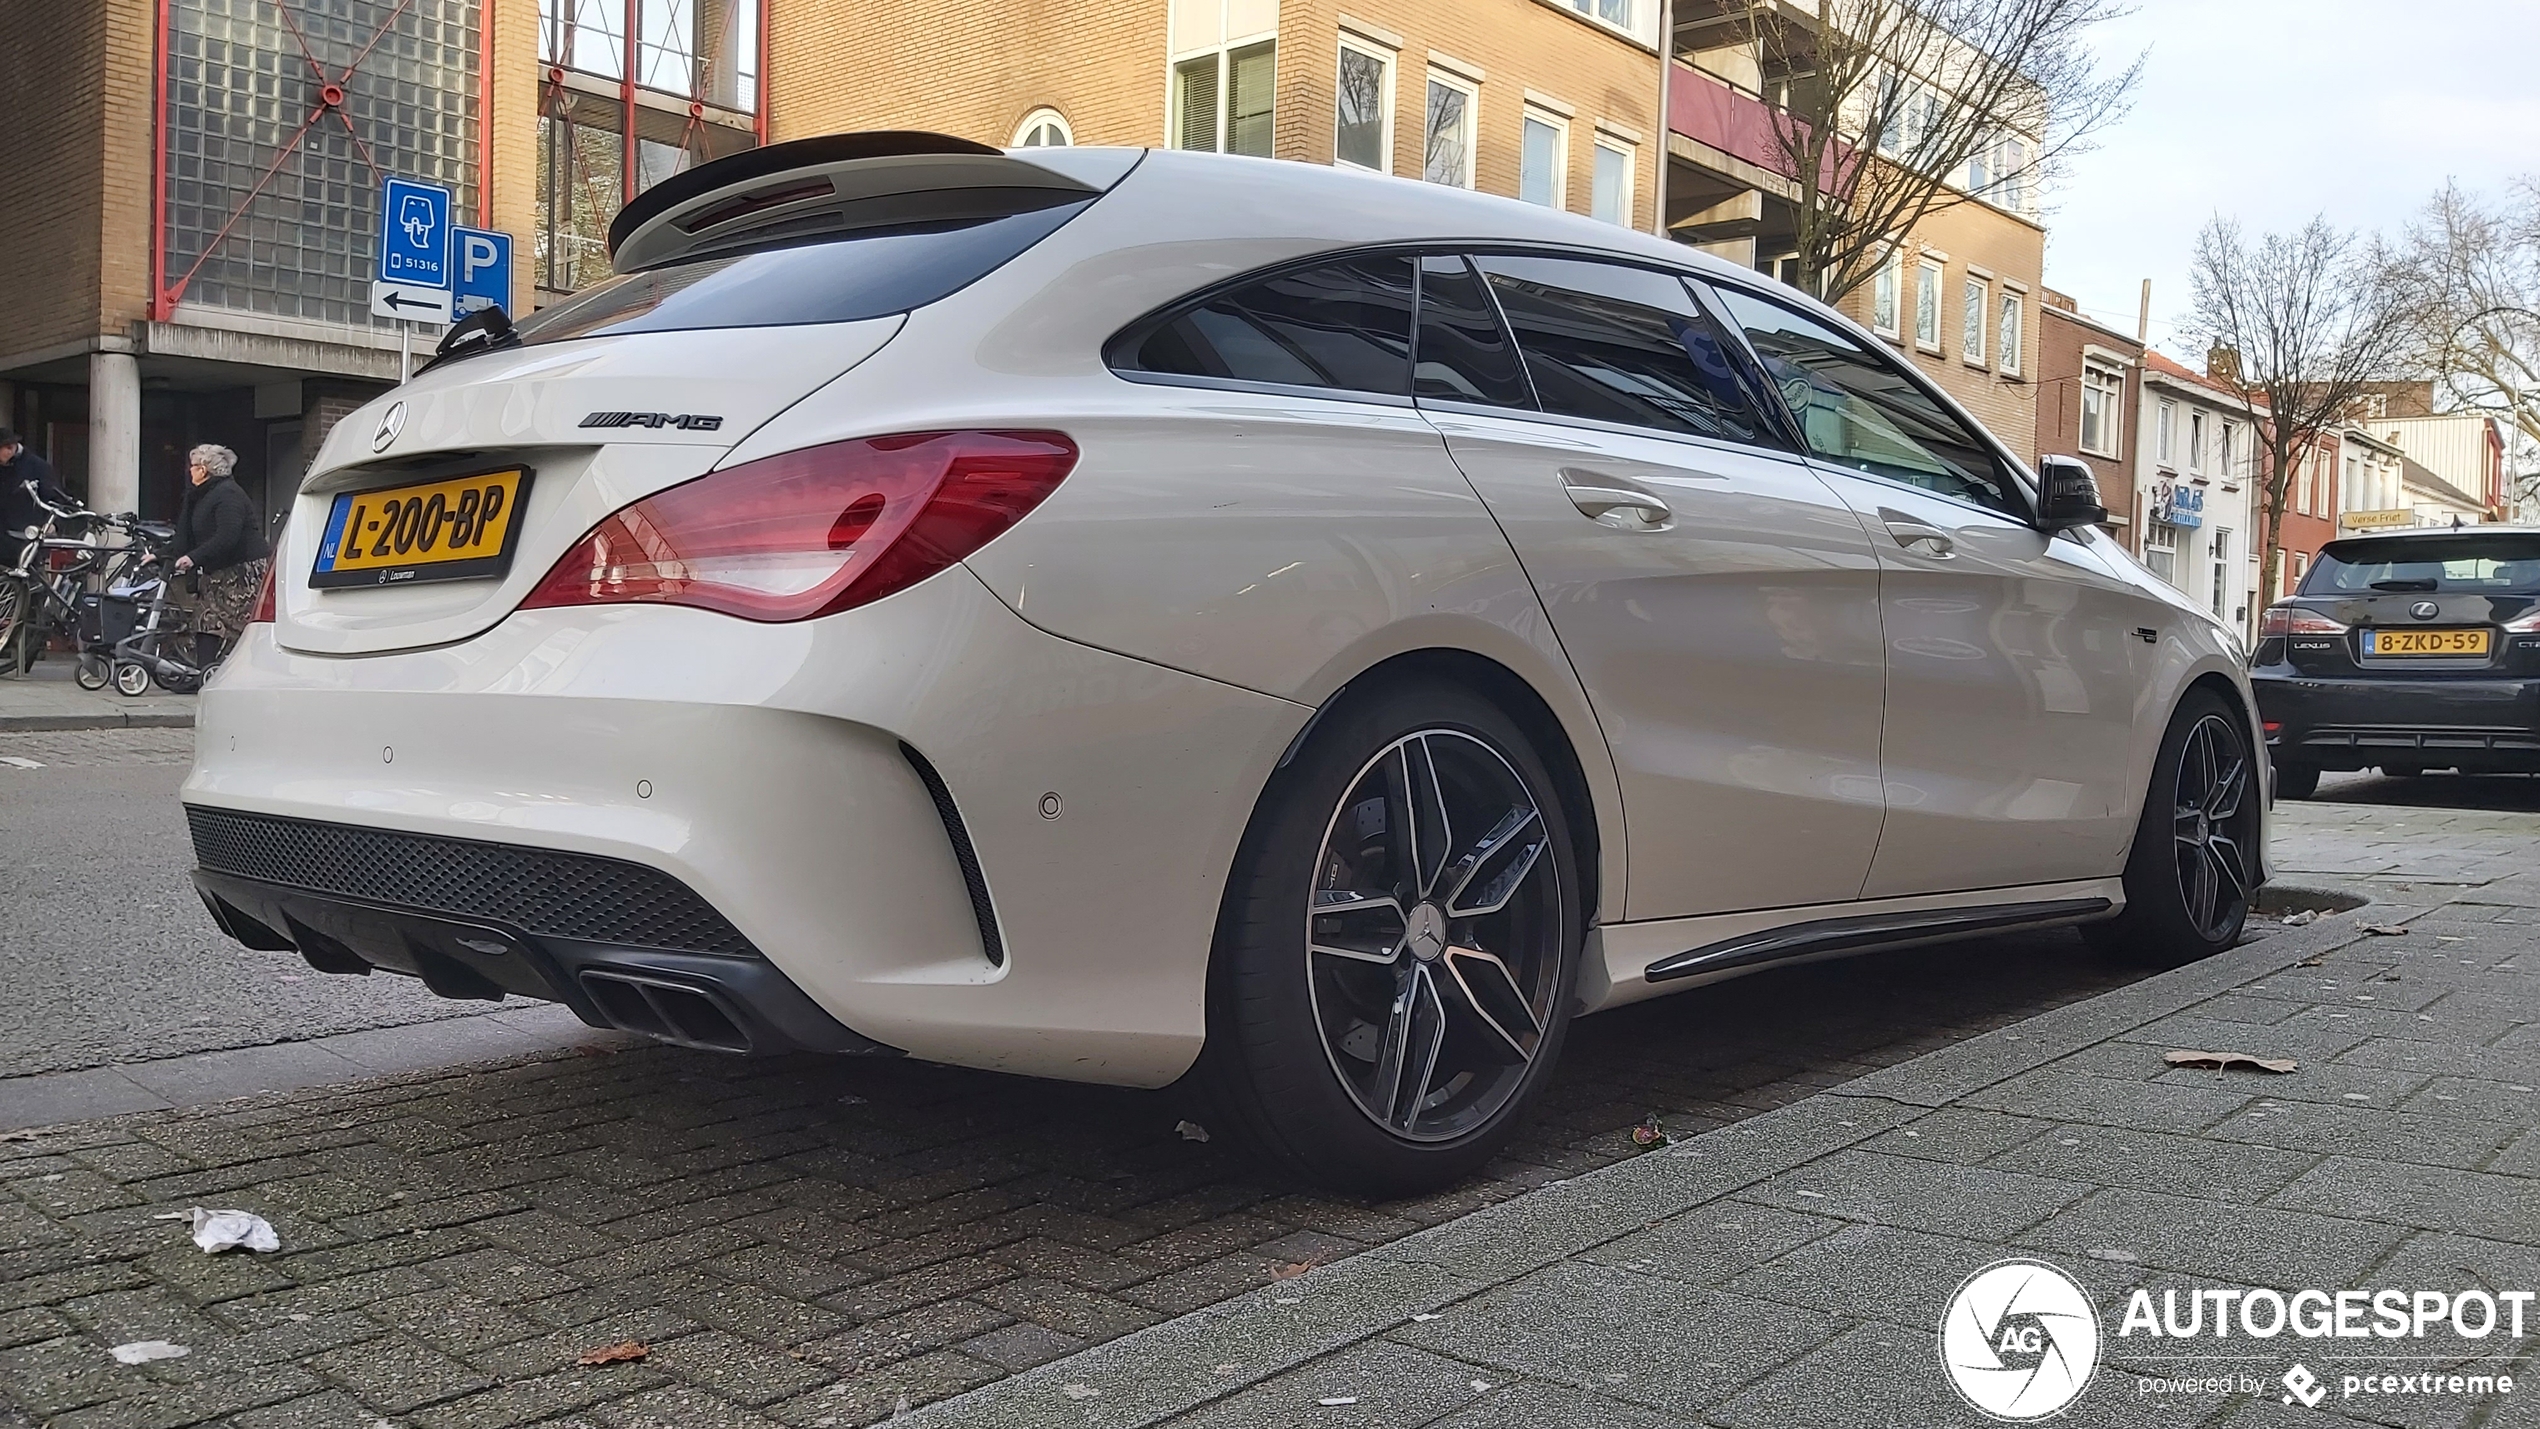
(144, 1351)
(220, 1230)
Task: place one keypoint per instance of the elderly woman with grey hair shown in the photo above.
(218, 534)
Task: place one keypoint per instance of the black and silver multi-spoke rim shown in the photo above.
(1433, 935)
(2211, 830)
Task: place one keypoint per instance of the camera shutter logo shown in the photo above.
(2019, 1340)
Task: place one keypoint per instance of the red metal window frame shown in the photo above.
(163, 294)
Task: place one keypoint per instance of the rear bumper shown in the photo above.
(2485, 725)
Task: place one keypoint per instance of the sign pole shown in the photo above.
(405, 353)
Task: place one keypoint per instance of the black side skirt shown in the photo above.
(1874, 930)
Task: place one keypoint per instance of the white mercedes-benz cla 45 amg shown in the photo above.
(1142, 616)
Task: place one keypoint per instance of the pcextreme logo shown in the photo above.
(2019, 1340)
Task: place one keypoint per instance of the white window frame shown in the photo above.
(2165, 434)
(1640, 19)
(1887, 290)
(2228, 468)
(1560, 127)
(2196, 441)
(1366, 49)
(1441, 77)
(2012, 338)
(1930, 276)
(1045, 115)
(2111, 388)
(1224, 56)
(1975, 304)
(1629, 153)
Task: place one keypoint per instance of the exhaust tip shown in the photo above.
(665, 1011)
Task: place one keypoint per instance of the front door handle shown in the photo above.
(1920, 537)
(1613, 501)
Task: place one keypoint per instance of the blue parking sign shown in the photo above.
(414, 233)
(484, 259)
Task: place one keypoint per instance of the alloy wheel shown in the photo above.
(1433, 935)
(2210, 829)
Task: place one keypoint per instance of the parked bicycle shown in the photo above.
(40, 592)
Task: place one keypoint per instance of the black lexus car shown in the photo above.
(2404, 652)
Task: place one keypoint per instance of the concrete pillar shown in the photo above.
(114, 432)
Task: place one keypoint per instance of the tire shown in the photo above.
(95, 672)
(132, 678)
(1394, 1049)
(2189, 880)
(15, 602)
(2296, 781)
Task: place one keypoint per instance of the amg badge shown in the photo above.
(687, 422)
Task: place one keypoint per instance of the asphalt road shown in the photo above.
(105, 953)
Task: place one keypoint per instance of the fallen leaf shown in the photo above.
(144, 1351)
(1291, 1271)
(621, 1352)
(2224, 1061)
(2315, 960)
(2302, 919)
(1191, 1130)
(19, 1135)
(2382, 930)
(1650, 1134)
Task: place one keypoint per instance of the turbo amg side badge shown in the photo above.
(687, 422)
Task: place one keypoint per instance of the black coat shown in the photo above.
(218, 526)
(18, 511)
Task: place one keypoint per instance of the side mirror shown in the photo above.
(2071, 496)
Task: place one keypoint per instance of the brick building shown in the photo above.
(2089, 404)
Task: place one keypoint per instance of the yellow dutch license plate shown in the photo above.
(433, 531)
(2455, 643)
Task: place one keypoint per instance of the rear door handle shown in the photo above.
(1600, 497)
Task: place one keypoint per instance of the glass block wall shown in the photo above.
(273, 194)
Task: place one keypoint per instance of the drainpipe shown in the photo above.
(1666, 78)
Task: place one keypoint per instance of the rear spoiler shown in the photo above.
(834, 183)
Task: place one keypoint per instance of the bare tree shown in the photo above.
(2307, 319)
(2473, 274)
(1885, 112)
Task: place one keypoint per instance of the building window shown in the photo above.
(2226, 454)
(1927, 305)
(1043, 129)
(1611, 196)
(2160, 550)
(1883, 294)
(2014, 335)
(1543, 162)
(2165, 434)
(1971, 339)
(1222, 100)
(2010, 170)
(1449, 149)
(2289, 579)
(2222, 565)
(2196, 441)
(1636, 18)
(2102, 400)
(1363, 121)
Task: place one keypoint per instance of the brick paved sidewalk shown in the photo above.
(1791, 1271)
(815, 1242)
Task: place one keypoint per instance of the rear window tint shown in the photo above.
(1345, 326)
(2499, 565)
(870, 273)
(1620, 344)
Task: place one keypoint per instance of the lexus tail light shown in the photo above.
(816, 531)
(2282, 620)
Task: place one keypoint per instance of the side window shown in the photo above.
(1345, 326)
(1464, 354)
(1620, 344)
(1860, 411)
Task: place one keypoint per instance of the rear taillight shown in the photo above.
(263, 614)
(2525, 624)
(815, 531)
(2283, 620)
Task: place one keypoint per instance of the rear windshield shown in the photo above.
(867, 274)
(2498, 565)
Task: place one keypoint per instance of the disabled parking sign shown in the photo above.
(414, 234)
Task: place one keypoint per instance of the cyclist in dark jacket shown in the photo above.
(218, 534)
(21, 505)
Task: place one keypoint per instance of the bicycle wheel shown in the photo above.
(14, 604)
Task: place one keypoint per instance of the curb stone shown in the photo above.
(1173, 1368)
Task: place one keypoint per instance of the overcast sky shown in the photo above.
(2271, 111)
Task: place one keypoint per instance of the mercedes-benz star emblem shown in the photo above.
(391, 422)
(2425, 610)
